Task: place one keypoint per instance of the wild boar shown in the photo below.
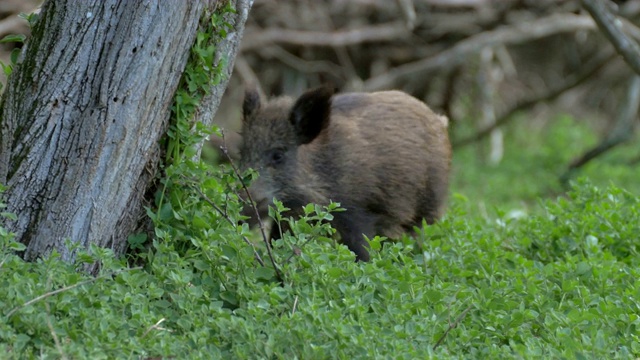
(384, 156)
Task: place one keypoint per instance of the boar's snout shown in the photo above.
(256, 200)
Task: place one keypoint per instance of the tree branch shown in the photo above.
(303, 66)
(569, 82)
(514, 34)
(611, 27)
(257, 38)
(622, 131)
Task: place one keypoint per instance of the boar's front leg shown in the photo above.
(352, 225)
(275, 233)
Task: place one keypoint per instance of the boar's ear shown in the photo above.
(251, 102)
(310, 114)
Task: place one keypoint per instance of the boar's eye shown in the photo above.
(276, 157)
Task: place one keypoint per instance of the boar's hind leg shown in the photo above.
(431, 203)
(352, 225)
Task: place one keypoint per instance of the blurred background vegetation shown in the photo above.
(535, 93)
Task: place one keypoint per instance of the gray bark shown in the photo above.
(82, 116)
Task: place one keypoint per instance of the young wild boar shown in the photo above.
(384, 156)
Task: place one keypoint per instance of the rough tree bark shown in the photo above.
(83, 113)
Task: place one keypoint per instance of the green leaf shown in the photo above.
(16, 246)
(137, 241)
(8, 215)
(264, 273)
(15, 53)
(19, 38)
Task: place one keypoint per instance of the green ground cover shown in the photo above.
(506, 274)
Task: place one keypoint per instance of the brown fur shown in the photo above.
(384, 156)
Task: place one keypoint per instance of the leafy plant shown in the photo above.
(7, 69)
(559, 284)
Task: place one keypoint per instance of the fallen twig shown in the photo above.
(452, 326)
(66, 288)
(155, 326)
(295, 305)
(258, 38)
(53, 333)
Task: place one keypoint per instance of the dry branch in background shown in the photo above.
(622, 130)
(507, 35)
(385, 32)
(611, 27)
(555, 90)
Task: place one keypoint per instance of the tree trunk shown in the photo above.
(83, 113)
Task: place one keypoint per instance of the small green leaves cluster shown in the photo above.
(7, 69)
(202, 71)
